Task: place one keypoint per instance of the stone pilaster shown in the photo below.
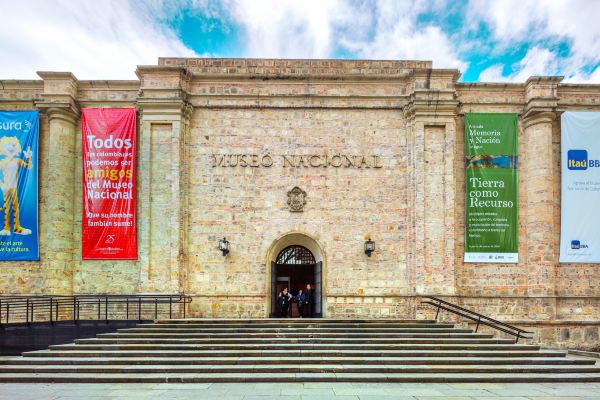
(541, 225)
(431, 131)
(58, 177)
(164, 125)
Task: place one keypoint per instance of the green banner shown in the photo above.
(492, 192)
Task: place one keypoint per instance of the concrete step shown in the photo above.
(352, 350)
(295, 346)
(292, 352)
(259, 321)
(303, 368)
(271, 325)
(366, 336)
(267, 360)
(183, 329)
(283, 340)
(299, 377)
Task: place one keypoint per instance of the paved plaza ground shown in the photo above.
(302, 391)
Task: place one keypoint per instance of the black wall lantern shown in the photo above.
(369, 246)
(224, 246)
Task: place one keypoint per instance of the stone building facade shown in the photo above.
(378, 149)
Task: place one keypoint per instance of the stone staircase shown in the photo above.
(275, 350)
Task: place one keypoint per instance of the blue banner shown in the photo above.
(580, 188)
(19, 184)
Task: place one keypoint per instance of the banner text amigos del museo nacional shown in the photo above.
(108, 157)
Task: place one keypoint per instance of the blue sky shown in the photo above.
(487, 40)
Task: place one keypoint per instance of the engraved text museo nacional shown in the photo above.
(296, 161)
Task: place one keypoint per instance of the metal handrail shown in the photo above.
(476, 317)
(46, 308)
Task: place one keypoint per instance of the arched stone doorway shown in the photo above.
(293, 261)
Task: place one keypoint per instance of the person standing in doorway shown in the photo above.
(310, 301)
(284, 302)
(301, 301)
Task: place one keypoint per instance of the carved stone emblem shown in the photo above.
(296, 199)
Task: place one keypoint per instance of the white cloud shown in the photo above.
(508, 19)
(106, 39)
(286, 29)
(386, 29)
(521, 21)
(493, 74)
(537, 61)
(526, 20)
(396, 35)
(94, 39)
(582, 77)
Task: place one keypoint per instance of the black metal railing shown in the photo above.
(480, 319)
(29, 309)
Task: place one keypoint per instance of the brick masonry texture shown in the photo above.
(404, 112)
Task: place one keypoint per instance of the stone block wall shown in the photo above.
(248, 204)
(404, 112)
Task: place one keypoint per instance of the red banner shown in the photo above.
(108, 155)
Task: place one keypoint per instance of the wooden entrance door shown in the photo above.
(273, 289)
(318, 289)
(298, 265)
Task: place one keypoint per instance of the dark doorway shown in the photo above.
(294, 268)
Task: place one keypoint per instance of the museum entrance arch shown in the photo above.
(295, 260)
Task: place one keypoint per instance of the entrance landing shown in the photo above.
(301, 390)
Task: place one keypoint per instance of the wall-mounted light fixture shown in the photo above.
(369, 246)
(224, 246)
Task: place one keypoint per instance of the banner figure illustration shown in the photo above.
(580, 187)
(108, 158)
(491, 229)
(19, 132)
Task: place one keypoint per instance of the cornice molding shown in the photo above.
(64, 112)
(57, 75)
(164, 109)
(541, 95)
(540, 116)
(428, 105)
(294, 69)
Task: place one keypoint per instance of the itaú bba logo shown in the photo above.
(577, 160)
(577, 245)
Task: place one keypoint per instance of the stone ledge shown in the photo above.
(7, 84)
(556, 322)
(295, 68)
(293, 62)
(592, 354)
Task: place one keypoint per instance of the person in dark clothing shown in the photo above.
(301, 301)
(310, 301)
(284, 302)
